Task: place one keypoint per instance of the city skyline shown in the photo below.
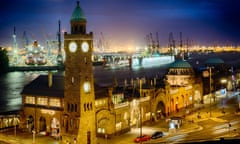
(125, 23)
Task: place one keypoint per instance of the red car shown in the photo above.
(142, 138)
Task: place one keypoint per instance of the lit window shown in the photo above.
(96, 103)
(86, 87)
(101, 130)
(30, 100)
(71, 122)
(42, 101)
(85, 60)
(54, 102)
(118, 126)
(72, 80)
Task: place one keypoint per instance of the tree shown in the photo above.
(4, 61)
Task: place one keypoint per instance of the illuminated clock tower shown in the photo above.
(78, 119)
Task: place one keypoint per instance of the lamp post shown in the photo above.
(15, 125)
(140, 122)
(223, 83)
(140, 110)
(106, 137)
(210, 90)
(33, 136)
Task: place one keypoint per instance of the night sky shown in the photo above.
(125, 22)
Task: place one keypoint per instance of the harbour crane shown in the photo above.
(148, 43)
(103, 44)
(25, 40)
(15, 47)
(59, 56)
(153, 47)
(158, 45)
(172, 46)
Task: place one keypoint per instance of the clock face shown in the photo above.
(85, 47)
(86, 87)
(73, 47)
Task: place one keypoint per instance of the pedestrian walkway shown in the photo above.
(23, 137)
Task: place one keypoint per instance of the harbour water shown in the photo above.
(12, 83)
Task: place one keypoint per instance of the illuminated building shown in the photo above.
(74, 108)
(185, 87)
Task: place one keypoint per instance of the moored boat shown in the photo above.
(35, 55)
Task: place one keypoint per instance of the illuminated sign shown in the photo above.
(50, 112)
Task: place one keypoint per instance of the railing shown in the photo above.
(120, 105)
(143, 99)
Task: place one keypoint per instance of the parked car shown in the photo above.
(142, 138)
(157, 134)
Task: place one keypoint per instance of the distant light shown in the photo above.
(171, 125)
(190, 98)
(223, 80)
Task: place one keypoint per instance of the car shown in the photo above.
(142, 138)
(157, 134)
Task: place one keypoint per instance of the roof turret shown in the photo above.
(78, 14)
(215, 60)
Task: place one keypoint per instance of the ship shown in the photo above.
(116, 60)
(151, 57)
(118, 64)
(123, 60)
(148, 57)
(35, 54)
(151, 60)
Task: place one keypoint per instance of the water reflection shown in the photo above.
(12, 83)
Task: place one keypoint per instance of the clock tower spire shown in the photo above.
(79, 98)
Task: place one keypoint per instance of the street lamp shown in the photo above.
(15, 125)
(223, 83)
(140, 122)
(33, 136)
(210, 89)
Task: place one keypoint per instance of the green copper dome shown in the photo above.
(78, 14)
(215, 60)
(180, 64)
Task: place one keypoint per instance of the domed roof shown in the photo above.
(214, 61)
(180, 64)
(78, 14)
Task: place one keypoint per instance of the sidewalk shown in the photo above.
(25, 138)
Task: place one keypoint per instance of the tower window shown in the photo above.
(77, 123)
(88, 137)
(72, 80)
(76, 28)
(85, 60)
(71, 107)
(84, 107)
(75, 107)
(68, 107)
(88, 106)
(91, 106)
(71, 122)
